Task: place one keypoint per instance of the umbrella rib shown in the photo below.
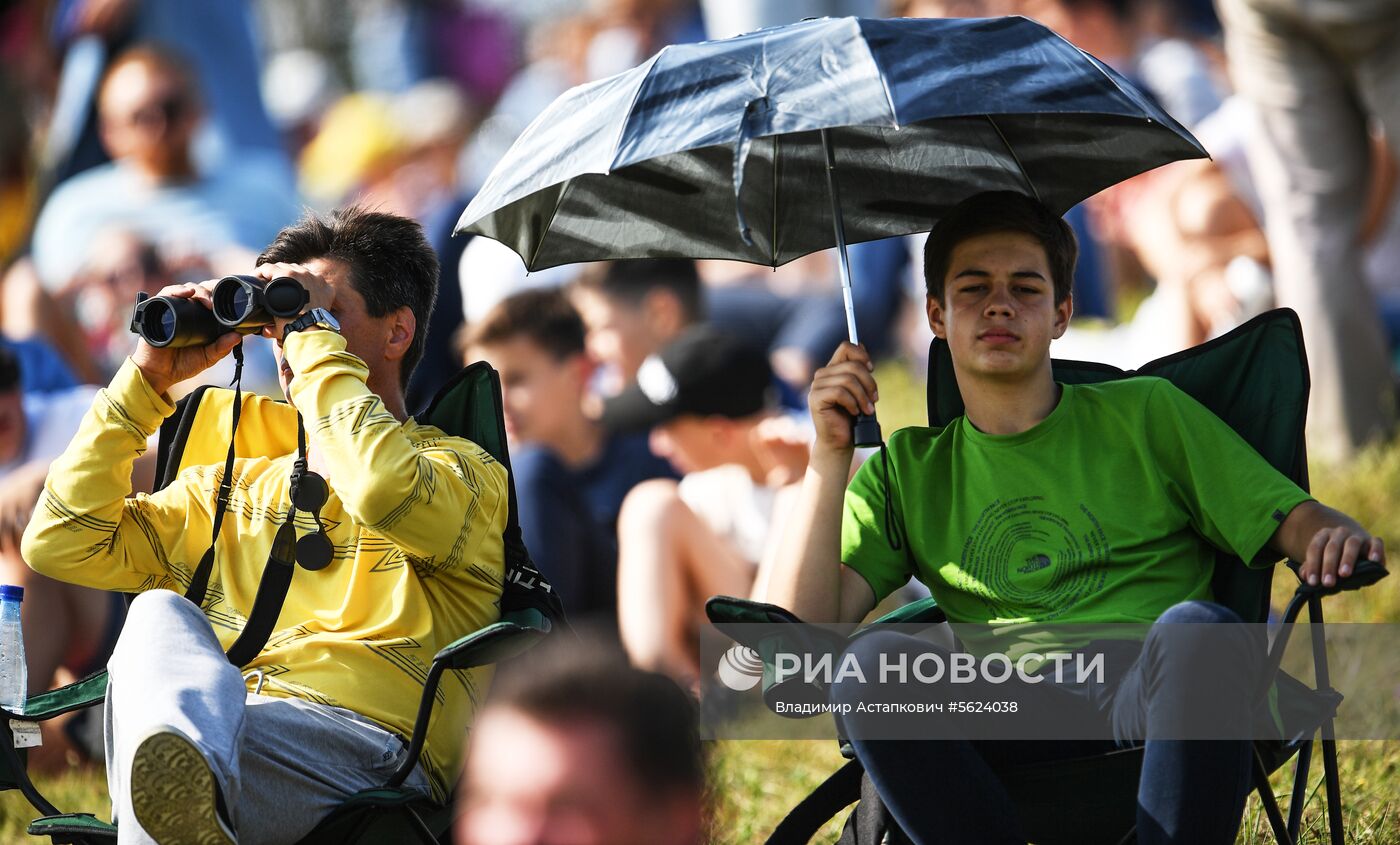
(544, 233)
(777, 189)
(1020, 168)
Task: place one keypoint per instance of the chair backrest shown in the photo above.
(1255, 378)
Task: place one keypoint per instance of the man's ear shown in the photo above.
(1063, 312)
(583, 366)
(402, 326)
(935, 317)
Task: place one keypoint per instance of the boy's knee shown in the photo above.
(1203, 643)
(649, 505)
(1193, 612)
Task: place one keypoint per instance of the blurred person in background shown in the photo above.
(575, 748)
(100, 297)
(632, 309)
(69, 630)
(398, 152)
(1319, 74)
(570, 474)
(16, 169)
(708, 400)
(149, 108)
(217, 39)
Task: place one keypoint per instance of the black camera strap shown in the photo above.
(199, 582)
(314, 551)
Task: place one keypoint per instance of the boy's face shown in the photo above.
(998, 312)
(693, 443)
(540, 392)
(619, 333)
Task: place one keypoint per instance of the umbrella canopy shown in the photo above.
(714, 150)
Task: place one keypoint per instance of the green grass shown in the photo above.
(755, 783)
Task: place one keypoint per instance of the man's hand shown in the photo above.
(322, 295)
(1328, 542)
(165, 367)
(841, 391)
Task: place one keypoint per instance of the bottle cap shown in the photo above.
(9, 592)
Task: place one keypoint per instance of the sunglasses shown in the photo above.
(162, 112)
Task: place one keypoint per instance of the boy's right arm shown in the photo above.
(808, 577)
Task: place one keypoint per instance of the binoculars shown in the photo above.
(242, 304)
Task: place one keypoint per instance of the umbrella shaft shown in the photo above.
(840, 227)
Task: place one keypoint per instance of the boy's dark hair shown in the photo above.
(1001, 211)
(544, 316)
(630, 281)
(391, 263)
(655, 722)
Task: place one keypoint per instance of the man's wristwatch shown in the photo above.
(318, 317)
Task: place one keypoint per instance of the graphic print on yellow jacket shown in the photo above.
(415, 517)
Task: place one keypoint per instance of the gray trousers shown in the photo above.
(1318, 70)
(282, 763)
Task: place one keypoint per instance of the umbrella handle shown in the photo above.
(867, 431)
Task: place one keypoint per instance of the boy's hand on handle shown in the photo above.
(1335, 551)
(841, 391)
(165, 367)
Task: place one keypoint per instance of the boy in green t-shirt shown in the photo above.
(1045, 503)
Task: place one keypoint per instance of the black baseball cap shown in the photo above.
(703, 372)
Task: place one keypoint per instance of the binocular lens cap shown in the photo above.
(311, 493)
(314, 552)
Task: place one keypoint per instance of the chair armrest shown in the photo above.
(516, 632)
(723, 609)
(75, 696)
(1364, 574)
(923, 610)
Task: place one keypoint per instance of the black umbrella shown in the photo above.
(772, 145)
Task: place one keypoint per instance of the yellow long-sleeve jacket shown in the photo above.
(415, 517)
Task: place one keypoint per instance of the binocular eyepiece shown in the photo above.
(242, 304)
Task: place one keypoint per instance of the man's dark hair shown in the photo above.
(391, 263)
(1001, 211)
(655, 722)
(544, 316)
(630, 281)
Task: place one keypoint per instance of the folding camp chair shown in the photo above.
(1255, 378)
(468, 406)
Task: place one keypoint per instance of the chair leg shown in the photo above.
(1266, 797)
(421, 828)
(26, 786)
(1329, 738)
(1334, 784)
(1300, 789)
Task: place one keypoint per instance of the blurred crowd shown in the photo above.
(153, 141)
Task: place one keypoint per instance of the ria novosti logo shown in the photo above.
(740, 668)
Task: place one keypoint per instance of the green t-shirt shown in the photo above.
(1106, 511)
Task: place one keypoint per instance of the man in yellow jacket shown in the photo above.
(414, 517)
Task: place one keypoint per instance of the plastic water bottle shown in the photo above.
(14, 676)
